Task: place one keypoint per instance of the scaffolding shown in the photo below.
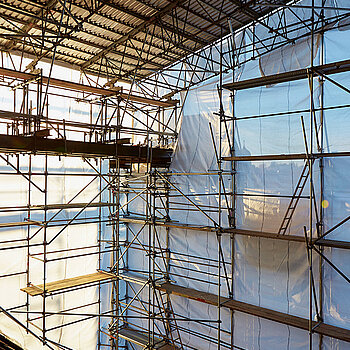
(103, 144)
(126, 144)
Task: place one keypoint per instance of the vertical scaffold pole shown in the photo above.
(320, 227)
(311, 82)
(232, 210)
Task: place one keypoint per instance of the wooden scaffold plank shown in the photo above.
(272, 315)
(326, 69)
(68, 283)
(141, 339)
(261, 234)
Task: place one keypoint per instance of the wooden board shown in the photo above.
(133, 336)
(68, 283)
(141, 339)
(291, 156)
(272, 315)
(132, 277)
(168, 347)
(22, 223)
(290, 238)
(329, 68)
(168, 224)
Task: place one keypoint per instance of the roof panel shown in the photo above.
(143, 34)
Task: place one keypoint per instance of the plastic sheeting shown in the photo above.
(14, 193)
(271, 274)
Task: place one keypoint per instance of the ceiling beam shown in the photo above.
(76, 39)
(255, 16)
(133, 32)
(29, 25)
(137, 15)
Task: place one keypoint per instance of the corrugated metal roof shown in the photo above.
(118, 37)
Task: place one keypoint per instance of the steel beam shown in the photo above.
(133, 32)
(127, 153)
(29, 25)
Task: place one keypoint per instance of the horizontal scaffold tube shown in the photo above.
(10, 73)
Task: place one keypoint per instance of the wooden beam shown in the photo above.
(252, 233)
(272, 315)
(133, 336)
(123, 141)
(141, 339)
(291, 156)
(22, 223)
(290, 238)
(42, 133)
(10, 73)
(68, 283)
(133, 277)
(167, 224)
(326, 69)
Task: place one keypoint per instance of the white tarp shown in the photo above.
(61, 189)
(271, 274)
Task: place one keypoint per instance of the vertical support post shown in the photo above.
(232, 210)
(118, 118)
(311, 79)
(99, 259)
(28, 236)
(218, 232)
(45, 249)
(153, 178)
(320, 227)
(116, 252)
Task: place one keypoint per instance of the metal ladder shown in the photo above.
(170, 324)
(295, 199)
